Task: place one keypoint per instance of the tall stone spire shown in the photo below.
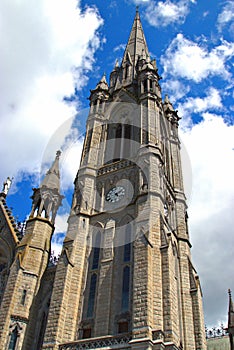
(136, 61)
(47, 197)
(136, 45)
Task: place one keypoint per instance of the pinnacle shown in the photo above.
(137, 12)
(102, 84)
(6, 187)
(167, 99)
(117, 63)
(52, 178)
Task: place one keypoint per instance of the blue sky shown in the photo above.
(54, 52)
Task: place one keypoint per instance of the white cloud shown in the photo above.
(61, 223)
(175, 88)
(205, 14)
(164, 13)
(210, 146)
(67, 135)
(226, 16)
(69, 166)
(141, 2)
(44, 56)
(120, 47)
(189, 60)
(212, 101)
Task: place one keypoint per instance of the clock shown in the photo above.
(115, 194)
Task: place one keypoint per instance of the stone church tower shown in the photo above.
(125, 279)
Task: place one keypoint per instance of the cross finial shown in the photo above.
(137, 8)
(58, 154)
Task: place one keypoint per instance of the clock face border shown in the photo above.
(115, 194)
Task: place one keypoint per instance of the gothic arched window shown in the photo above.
(96, 250)
(23, 297)
(122, 136)
(125, 288)
(151, 85)
(127, 245)
(126, 144)
(92, 293)
(13, 339)
(118, 136)
(127, 131)
(95, 105)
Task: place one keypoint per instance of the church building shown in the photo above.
(125, 277)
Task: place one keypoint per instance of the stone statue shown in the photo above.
(7, 185)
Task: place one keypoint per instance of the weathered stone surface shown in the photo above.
(135, 286)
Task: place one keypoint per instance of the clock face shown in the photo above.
(115, 194)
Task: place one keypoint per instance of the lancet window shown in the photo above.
(92, 293)
(127, 245)
(96, 251)
(122, 135)
(13, 339)
(125, 288)
(23, 297)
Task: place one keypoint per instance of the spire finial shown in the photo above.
(167, 99)
(7, 185)
(116, 63)
(137, 12)
(58, 154)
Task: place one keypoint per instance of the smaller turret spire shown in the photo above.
(52, 178)
(167, 101)
(170, 112)
(47, 197)
(102, 84)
